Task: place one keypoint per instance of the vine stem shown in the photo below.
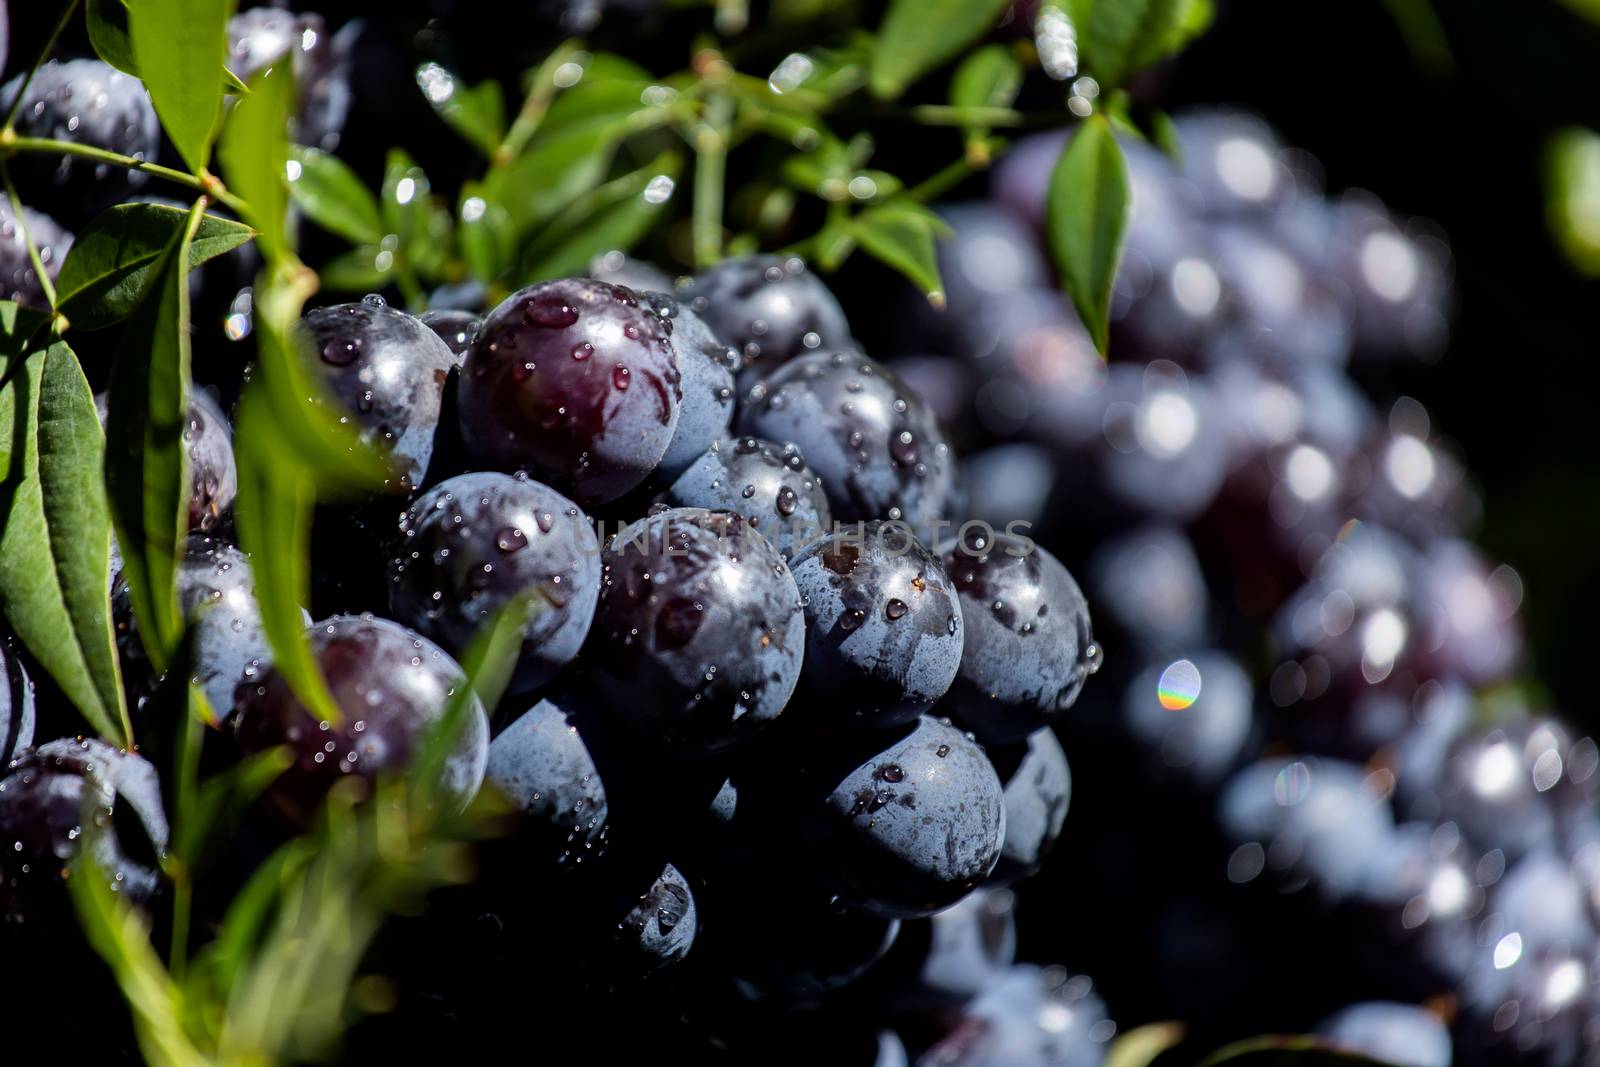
(536, 103)
(710, 174)
(10, 143)
(44, 54)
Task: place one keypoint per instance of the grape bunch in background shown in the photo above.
(608, 633)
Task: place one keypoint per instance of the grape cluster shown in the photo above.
(785, 750)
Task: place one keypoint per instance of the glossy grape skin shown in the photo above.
(913, 819)
(575, 381)
(706, 365)
(989, 254)
(1029, 1015)
(770, 485)
(213, 475)
(871, 440)
(1038, 791)
(1235, 161)
(699, 634)
(44, 795)
(18, 280)
(18, 709)
(473, 542)
(1403, 1035)
(321, 59)
(969, 946)
(636, 274)
(659, 927)
(543, 766)
(387, 370)
(769, 309)
(1028, 645)
(391, 684)
(455, 328)
(884, 634)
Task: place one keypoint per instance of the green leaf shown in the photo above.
(361, 270)
(615, 216)
(989, 77)
(918, 35)
(272, 514)
(1283, 1050)
(108, 33)
(1087, 220)
(113, 261)
(1572, 195)
(404, 200)
(147, 475)
(223, 801)
(255, 155)
(1589, 9)
(901, 234)
(485, 233)
(179, 46)
(477, 113)
(331, 195)
(554, 171)
(1119, 38)
(1140, 1047)
(55, 523)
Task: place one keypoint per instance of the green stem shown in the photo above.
(946, 178)
(44, 145)
(44, 54)
(45, 283)
(949, 115)
(710, 173)
(540, 94)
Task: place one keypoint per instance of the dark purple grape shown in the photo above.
(1398, 276)
(768, 308)
(45, 795)
(616, 268)
(970, 945)
(18, 710)
(18, 280)
(90, 103)
(795, 946)
(1403, 1035)
(455, 328)
(391, 685)
(884, 634)
(915, 825)
(699, 634)
(706, 365)
(988, 255)
(321, 60)
(1028, 1015)
(213, 477)
(659, 927)
(542, 764)
(1028, 646)
(769, 485)
(388, 370)
(1280, 310)
(575, 381)
(1235, 161)
(1191, 718)
(871, 440)
(1038, 790)
(1148, 581)
(475, 541)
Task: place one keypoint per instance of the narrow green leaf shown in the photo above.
(120, 935)
(615, 216)
(222, 801)
(147, 475)
(1572, 195)
(918, 35)
(1087, 220)
(55, 523)
(404, 200)
(232, 84)
(1164, 135)
(1140, 1046)
(180, 47)
(272, 514)
(477, 113)
(485, 233)
(989, 77)
(901, 234)
(549, 175)
(255, 155)
(108, 33)
(113, 262)
(331, 195)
